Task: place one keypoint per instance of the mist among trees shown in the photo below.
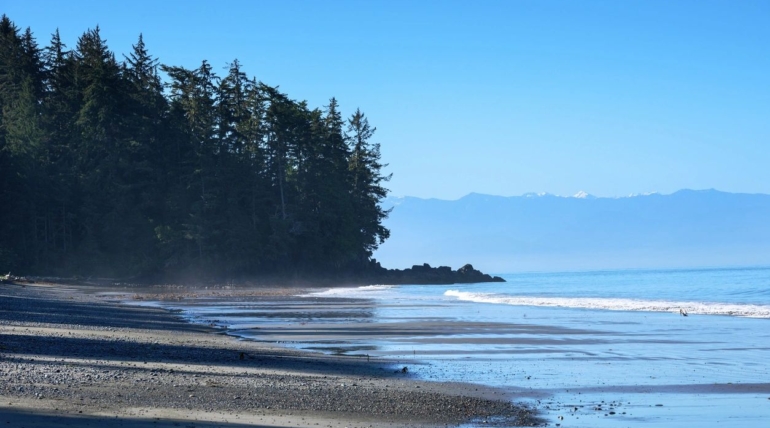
(124, 166)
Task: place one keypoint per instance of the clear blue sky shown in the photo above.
(499, 97)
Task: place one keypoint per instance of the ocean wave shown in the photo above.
(349, 291)
(612, 304)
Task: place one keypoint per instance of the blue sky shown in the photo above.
(498, 97)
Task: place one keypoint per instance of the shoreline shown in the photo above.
(424, 274)
(67, 354)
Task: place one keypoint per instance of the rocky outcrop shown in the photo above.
(425, 274)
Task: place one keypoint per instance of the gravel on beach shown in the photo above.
(66, 353)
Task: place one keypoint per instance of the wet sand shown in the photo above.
(579, 368)
(70, 357)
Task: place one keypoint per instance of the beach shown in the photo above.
(591, 349)
(586, 349)
(74, 355)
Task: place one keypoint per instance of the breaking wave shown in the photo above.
(612, 304)
(364, 291)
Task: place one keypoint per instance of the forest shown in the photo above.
(129, 167)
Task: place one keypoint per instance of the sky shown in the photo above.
(496, 97)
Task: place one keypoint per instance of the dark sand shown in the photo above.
(71, 358)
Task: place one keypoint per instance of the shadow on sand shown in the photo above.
(36, 307)
(34, 419)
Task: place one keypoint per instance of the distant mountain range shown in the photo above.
(543, 232)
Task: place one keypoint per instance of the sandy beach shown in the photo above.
(70, 357)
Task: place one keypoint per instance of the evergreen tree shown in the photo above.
(368, 190)
(255, 190)
(283, 121)
(11, 181)
(103, 156)
(61, 103)
(21, 134)
(329, 188)
(144, 114)
(193, 95)
(239, 111)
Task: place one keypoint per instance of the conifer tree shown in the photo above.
(21, 135)
(144, 114)
(193, 94)
(368, 190)
(61, 103)
(102, 154)
(11, 175)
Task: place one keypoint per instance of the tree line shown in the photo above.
(128, 167)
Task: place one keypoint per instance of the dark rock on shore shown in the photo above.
(425, 274)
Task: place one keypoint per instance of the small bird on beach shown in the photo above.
(682, 312)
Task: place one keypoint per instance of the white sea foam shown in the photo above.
(611, 304)
(350, 291)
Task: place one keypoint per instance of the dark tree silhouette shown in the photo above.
(108, 168)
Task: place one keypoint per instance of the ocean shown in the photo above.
(588, 349)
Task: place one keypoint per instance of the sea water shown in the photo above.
(609, 348)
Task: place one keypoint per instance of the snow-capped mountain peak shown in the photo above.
(583, 195)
